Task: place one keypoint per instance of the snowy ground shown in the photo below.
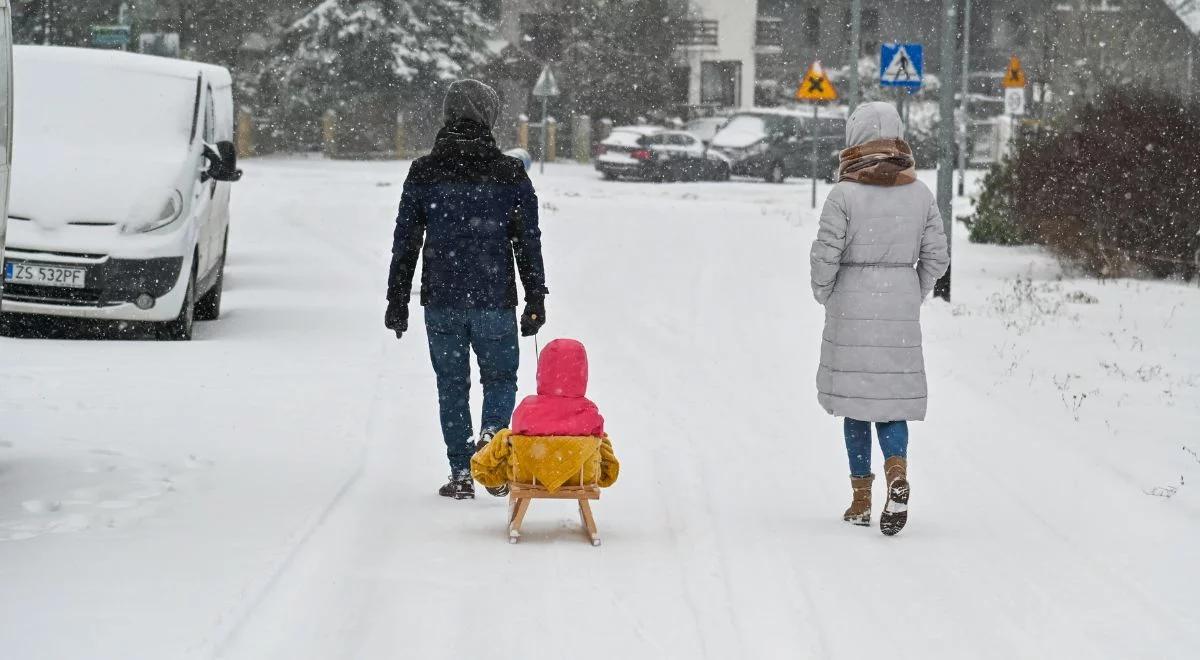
(268, 491)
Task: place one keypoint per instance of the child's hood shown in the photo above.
(563, 369)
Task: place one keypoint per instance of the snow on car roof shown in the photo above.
(802, 111)
(29, 57)
(641, 130)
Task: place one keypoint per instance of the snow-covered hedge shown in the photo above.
(1112, 186)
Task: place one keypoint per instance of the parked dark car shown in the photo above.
(776, 144)
(655, 154)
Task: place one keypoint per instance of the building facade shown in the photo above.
(718, 55)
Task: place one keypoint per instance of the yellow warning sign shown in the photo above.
(816, 85)
(1015, 76)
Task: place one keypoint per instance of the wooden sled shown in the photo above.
(520, 495)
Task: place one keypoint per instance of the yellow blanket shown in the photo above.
(548, 461)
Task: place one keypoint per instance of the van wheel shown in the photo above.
(181, 328)
(776, 173)
(208, 308)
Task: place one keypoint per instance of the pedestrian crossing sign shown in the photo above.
(902, 65)
(816, 85)
(1015, 76)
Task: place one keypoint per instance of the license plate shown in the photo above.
(45, 275)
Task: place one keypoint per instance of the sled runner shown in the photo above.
(520, 496)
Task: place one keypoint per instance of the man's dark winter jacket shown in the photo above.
(476, 213)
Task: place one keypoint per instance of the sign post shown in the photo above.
(545, 87)
(1014, 89)
(945, 180)
(963, 103)
(816, 88)
(1014, 94)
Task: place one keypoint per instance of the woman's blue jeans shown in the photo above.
(893, 440)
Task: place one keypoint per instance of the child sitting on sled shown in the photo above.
(557, 436)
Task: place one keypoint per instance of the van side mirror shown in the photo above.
(222, 163)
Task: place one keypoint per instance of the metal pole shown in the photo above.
(945, 182)
(545, 133)
(855, 51)
(812, 135)
(963, 102)
(1190, 71)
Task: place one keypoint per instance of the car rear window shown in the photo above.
(624, 139)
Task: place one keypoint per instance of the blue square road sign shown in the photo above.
(902, 65)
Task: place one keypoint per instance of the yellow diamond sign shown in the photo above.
(1015, 76)
(816, 85)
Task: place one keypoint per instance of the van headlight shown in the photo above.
(170, 212)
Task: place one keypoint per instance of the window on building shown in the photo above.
(543, 35)
(490, 9)
(870, 30)
(681, 80)
(1010, 32)
(720, 83)
(812, 25)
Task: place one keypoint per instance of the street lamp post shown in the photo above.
(45, 22)
(945, 182)
(963, 102)
(855, 50)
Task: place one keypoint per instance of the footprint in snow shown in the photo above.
(40, 506)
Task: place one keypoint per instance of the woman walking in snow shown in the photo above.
(878, 253)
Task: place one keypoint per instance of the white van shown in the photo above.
(119, 208)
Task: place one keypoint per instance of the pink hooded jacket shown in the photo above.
(560, 408)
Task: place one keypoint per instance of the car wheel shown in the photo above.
(208, 308)
(608, 176)
(776, 173)
(180, 329)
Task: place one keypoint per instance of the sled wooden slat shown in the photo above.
(564, 493)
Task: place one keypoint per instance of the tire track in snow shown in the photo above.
(228, 633)
(231, 624)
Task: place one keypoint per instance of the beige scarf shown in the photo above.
(887, 162)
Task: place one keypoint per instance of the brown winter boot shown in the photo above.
(895, 510)
(859, 512)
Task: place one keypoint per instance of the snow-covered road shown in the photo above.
(268, 491)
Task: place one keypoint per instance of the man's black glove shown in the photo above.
(534, 317)
(396, 317)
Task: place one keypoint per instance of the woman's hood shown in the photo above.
(563, 369)
(873, 121)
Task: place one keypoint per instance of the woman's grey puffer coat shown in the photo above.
(878, 253)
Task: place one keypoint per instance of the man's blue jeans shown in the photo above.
(492, 333)
(893, 440)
